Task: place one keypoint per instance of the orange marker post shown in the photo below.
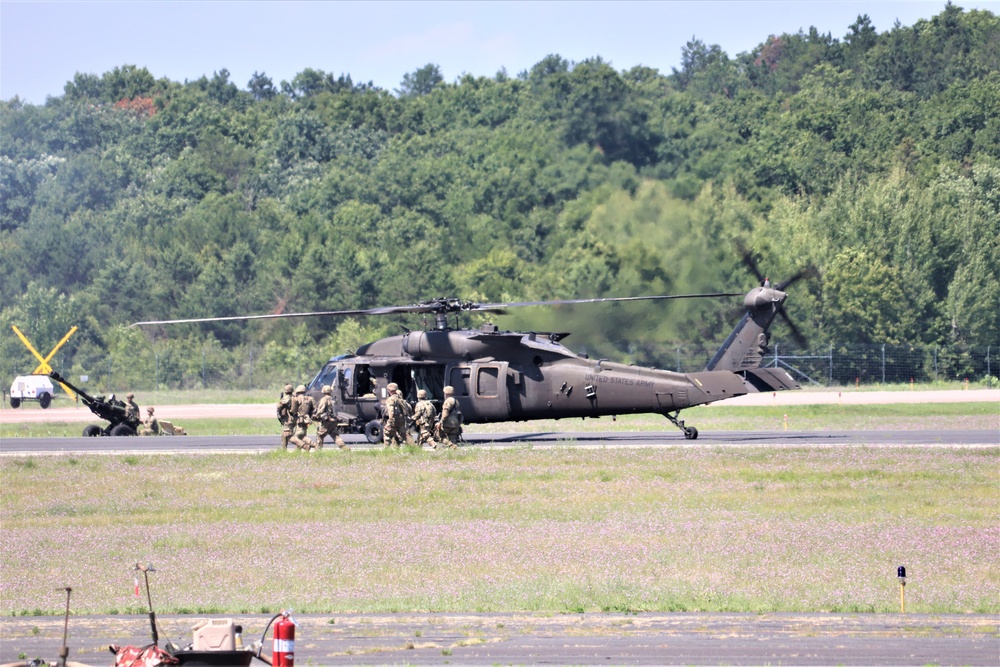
(901, 575)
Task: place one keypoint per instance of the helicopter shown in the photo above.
(500, 376)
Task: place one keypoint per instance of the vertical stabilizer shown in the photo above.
(747, 344)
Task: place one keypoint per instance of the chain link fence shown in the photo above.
(256, 367)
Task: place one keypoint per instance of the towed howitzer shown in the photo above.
(110, 409)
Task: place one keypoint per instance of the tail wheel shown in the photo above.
(691, 433)
(373, 431)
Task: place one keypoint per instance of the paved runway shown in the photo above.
(249, 444)
(564, 639)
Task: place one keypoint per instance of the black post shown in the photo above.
(64, 651)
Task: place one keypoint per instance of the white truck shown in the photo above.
(31, 388)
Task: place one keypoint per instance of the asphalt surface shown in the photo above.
(571, 639)
(250, 444)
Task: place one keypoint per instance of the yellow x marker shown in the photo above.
(43, 367)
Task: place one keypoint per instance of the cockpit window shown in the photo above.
(326, 376)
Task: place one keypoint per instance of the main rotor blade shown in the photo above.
(435, 306)
(609, 299)
(274, 316)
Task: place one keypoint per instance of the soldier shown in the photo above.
(407, 417)
(327, 417)
(131, 409)
(451, 419)
(287, 414)
(150, 425)
(425, 415)
(305, 409)
(393, 417)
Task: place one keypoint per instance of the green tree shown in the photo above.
(262, 87)
(420, 82)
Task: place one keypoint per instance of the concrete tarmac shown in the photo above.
(567, 639)
(254, 444)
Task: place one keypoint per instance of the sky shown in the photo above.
(44, 44)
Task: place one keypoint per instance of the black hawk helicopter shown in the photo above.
(503, 376)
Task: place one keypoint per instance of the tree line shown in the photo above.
(872, 157)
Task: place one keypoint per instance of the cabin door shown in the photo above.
(481, 390)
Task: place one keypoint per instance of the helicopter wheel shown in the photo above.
(373, 431)
(690, 432)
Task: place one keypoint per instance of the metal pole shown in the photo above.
(883, 363)
(678, 359)
(64, 651)
(830, 382)
(204, 382)
(251, 366)
(156, 374)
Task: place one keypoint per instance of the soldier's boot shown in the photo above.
(340, 443)
(283, 447)
(319, 442)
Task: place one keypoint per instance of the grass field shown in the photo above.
(892, 416)
(558, 530)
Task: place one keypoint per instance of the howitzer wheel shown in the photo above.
(373, 431)
(91, 431)
(122, 429)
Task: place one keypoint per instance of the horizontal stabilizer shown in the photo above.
(770, 379)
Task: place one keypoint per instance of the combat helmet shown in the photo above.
(327, 389)
(392, 386)
(449, 390)
(421, 394)
(289, 389)
(301, 389)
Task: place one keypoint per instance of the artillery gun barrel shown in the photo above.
(112, 411)
(87, 398)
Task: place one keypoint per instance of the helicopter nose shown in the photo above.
(762, 297)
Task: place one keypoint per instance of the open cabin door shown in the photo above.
(481, 390)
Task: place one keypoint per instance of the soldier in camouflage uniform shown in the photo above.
(287, 411)
(407, 417)
(393, 418)
(425, 414)
(306, 407)
(451, 420)
(150, 425)
(131, 408)
(326, 415)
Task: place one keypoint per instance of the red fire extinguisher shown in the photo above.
(283, 651)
